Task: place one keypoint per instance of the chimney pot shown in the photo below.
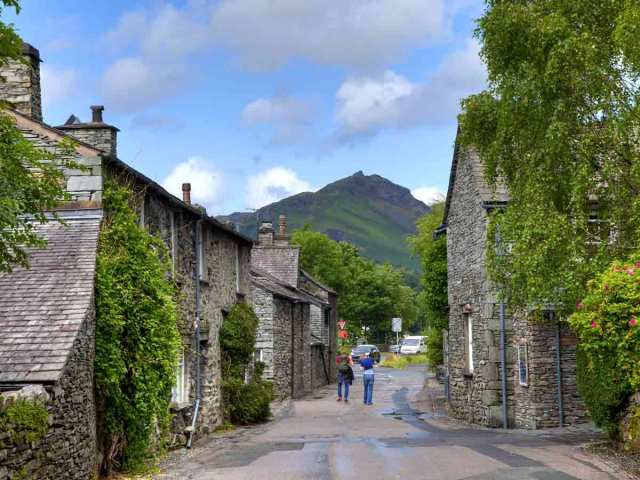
(186, 193)
(96, 113)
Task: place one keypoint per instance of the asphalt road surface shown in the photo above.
(401, 436)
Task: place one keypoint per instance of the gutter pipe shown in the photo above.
(503, 366)
(559, 374)
(196, 408)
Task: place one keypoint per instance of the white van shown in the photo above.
(413, 345)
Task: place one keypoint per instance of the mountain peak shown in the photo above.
(369, 211)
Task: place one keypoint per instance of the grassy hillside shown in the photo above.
(368, 211)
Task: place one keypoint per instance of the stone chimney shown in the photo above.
(96, 133)
(186, 193)
(20, 83)
(265, 234)
(282, 238)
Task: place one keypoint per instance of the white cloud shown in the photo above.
(351, 33)
(273, 185)
(367, 105)
(288, 117)
(205, 179)
(134, 83)
(429, 195)
(57, 83)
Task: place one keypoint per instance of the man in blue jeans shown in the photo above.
(367, 379)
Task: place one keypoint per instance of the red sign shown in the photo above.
(343, 334)
(341, 324)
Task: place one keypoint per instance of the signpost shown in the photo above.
(341, 324)
(396, 326)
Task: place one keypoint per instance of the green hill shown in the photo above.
(366, 210)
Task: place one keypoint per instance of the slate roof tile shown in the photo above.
(42, 308)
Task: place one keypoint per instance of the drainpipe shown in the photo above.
(559, 373)
(503, 366)
(196, 408)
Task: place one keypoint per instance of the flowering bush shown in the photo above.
(607, 324)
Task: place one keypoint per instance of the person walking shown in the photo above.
(345, 377)
(368, 377)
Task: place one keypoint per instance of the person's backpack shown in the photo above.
(344, 368)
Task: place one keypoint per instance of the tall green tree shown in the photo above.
(369, 294)
(558, 126)
(432, 300)
(30, 178)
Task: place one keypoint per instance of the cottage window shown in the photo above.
(523, 364)
(258, 357)
(179, 391)
(468, 342)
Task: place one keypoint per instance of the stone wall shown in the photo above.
(301, 351)
(83, 185)
(68, 449)
(283, 366)
(320, 366)
(263, 306)
(101, 136)
(20, 85)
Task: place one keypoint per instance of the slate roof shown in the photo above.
(486, 194)
(271, 284)
(42, 308)
(280, 261)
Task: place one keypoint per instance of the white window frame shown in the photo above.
(523, 359)
(468, 336)
(180, 391)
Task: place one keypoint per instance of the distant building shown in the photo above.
(296, 338)
(211, 264)
(536, 351)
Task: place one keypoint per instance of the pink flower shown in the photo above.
(637, 264)
(606, 286)
(594, 324)
(633, 322)
(631, 271)
(579, 306)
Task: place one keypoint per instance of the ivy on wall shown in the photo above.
(245, 402)
(137, 339)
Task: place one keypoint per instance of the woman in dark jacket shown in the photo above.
(345, 377)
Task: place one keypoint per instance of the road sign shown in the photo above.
(341, 324)
(396, 325)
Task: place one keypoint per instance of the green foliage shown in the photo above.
(137, 339)
(403, 361)
(608, 327)
(26, 420)
(558, 127)
(244, 403)
(433, 302)
(30, 177)
(369, 294)
(603, 390)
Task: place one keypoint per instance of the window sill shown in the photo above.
(176, 406)
(468, 375)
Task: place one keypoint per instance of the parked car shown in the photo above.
(361, 350)
(395, 348)
(413, 345)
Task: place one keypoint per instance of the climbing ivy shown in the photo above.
(137, 339)
(245, 402)
(26, 421)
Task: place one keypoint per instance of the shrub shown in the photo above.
(394, 361)
(244, 403)
(607, 324)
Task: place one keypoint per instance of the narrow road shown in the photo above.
(399, 437)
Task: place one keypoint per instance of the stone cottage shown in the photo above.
(298, 316)
(211, 261)
(47, 326)
(538, 357)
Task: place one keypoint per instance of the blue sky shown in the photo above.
(254, 100)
